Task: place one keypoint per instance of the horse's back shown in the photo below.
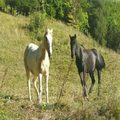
(32, 47)
(89, 60)
(30, 56)
(31, 50)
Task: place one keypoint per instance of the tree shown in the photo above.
(97, 20)
(113, 26)
(2, 5)
(11, 4)
(27, 6)
(81, 15)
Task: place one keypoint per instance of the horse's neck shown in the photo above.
(43, 50)
(79, 52)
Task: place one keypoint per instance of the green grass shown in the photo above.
(13, 84)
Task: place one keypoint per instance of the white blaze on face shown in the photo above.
(49, 38)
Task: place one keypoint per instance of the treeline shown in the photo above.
(99, 18)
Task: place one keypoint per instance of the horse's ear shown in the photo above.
(51, 30)
(75, 35)
(48, 30)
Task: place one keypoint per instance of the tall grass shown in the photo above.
(13, 84)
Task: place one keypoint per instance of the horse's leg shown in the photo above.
(93, 82)
(84, 85)
(40, 87)
(83, 82)
(81, 78)
(47, 77)
(29, 85)
(35, 81)
(99, 81)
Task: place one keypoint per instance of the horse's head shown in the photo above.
(48, 39)
(73, 45)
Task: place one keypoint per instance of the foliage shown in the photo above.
(94, 17)
(113, 37)
(2, 115)
(24, 7)
(2, 4)
(113, 32)
(97, 20)
(36, 23)
(81, 15)
(59, 10)
(82, 21)
(50, 10)
(14, 104)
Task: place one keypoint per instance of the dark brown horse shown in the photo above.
(87, 60)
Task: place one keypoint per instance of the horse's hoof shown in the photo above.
(98, 94)
(30, 100)
(87, 98)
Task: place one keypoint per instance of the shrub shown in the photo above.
(36, 23)
(50, 10)
(2, 5)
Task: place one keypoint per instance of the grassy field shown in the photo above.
(14, 104)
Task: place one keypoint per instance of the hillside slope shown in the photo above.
(13, 84)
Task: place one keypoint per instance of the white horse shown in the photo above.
(37, 62)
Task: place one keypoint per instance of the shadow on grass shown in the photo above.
(11, 98)
(109, 112)
(8, 97)
(55, 106)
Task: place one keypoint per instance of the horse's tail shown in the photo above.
(100, 60)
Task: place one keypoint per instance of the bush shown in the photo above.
(113, 37)
(36, 23)
(50, 10)
(83, 21)
(2, 5)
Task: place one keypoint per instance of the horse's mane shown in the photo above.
(78, 44)
(45, 33)
(81, 45)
